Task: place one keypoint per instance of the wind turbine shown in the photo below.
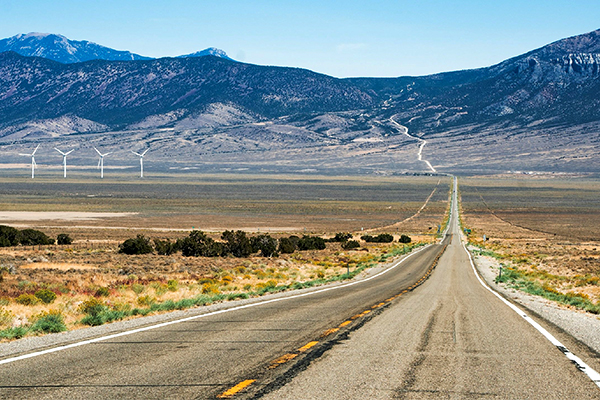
(101, 162)
(33, 164)
(141, 161)
(64, 160)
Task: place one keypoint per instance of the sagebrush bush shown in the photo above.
(27, 299)
(138, 245)
(404, 239)
(63, 239)
(146, 300)
(350, 244)
(92, 306)
(50, 322)
(45, 295)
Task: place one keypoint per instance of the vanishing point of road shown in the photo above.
(407, 332)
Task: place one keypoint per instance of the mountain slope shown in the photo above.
(556, 84)
(121, 93)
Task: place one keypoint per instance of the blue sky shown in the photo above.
(339, 38)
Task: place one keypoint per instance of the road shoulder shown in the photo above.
(583, 326)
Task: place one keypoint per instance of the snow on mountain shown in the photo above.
(66, 51)
(211, 51)
(59, 48)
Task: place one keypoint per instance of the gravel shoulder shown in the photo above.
(581, 325)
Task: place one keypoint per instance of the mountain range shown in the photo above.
(59, 48)
(527, 112)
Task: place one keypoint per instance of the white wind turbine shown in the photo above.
(64, 160)
(33, 164)
(141, 161)
(101, 162)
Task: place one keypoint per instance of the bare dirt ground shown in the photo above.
(548, 229)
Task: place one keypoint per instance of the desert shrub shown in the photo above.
(247, 287)
(92, 306)
(138, 245)
(237, 243)
(13, 333)
(404, 239)
(210, 288)
(172, 285)
(32, 237)
(287, 245)
(27, 299)
(265, 244)
(381, 238)
(350, 244)
(311, 243)
(45, 295)
(138, 288)
(102, 292)
(198, 244)
(341, 237)
(51, 322)
(146, 300)
(6, 317)
(9, 236)
(165, 247)
(63, 239)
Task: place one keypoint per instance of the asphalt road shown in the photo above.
(449, 339)
(204, 357)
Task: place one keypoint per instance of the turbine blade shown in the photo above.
(137, 154)
(28, 155)
(108, 153)
(145, 151)
(38, 146)
(98, 151)
(59, 151)
(99, 161)
(69, 152)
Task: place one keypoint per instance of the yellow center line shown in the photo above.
(307, 346)
(343, 324)
(283, 359)
(330, 331)
(240, 386)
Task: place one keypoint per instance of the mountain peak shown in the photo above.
(211, 51)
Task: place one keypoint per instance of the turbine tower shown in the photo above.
(141, 161)
(64, 160)
(33, 164)
(101, 162)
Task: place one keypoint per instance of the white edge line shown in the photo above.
(163, 324)
(583, 367)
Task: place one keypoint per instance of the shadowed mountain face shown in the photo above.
(537, 111)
